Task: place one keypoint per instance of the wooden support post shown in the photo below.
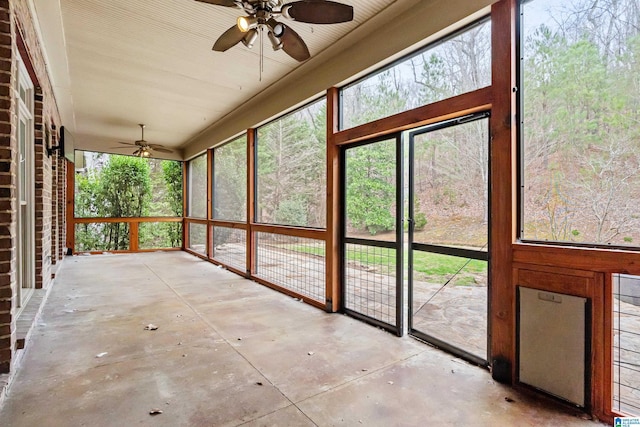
(134, 236)
(251, 191)
(209, 244)
(503, 189)
(332, 250)
(185, 193)
(71, 226)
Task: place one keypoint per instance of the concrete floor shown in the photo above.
(230, 352)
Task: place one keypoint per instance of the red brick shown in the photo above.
(6, 331)
(5, 354)
(6, 193)
(5, 27)
(5, 290)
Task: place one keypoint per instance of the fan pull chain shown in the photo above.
(261, 51)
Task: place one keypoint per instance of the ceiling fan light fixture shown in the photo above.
(276, 43)
(246, 23)
(276, 27)
(260, 15)
(142, 152)
(250, 38)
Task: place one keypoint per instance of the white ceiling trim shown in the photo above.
(54, 46)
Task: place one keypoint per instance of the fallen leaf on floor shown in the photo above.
(239, 339)
(101, 355)
(310, 353)
(391, 382)
(150, 327)
(155, 411)
(508, 399)
(258, 383)
(364, 370)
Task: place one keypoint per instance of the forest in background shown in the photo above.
(581, 122)
(580, 156)
(115, 186)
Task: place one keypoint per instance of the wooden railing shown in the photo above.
(134, 231)
(249, 269)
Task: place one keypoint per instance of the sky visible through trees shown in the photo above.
(581, 135)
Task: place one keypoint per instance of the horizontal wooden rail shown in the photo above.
(134, 231)
(589, 259)
(458, 106)
(127, 220)
(230, 224)
(308, 233)
(196, 221)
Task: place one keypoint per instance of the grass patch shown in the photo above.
(431, 264)
(425, 264)
(307, 249)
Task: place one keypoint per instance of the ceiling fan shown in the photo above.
(262, 16)
(143, 147)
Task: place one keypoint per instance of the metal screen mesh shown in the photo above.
(198, 238)
(294, 263)
(626, 344)
(370, 282)
(230, 247)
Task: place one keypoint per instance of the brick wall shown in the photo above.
(54, 205)
(62, 205)
(18, 34)
(8, 217)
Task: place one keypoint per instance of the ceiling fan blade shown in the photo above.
(160, 148)
(293, 45)
(227, 3)
(228, 39)
(319, 12)
(125, 143)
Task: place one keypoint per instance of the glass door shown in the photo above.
(372, 250)
(448, 205)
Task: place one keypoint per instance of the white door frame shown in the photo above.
(25, 187)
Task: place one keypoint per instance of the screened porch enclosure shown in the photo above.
(419, 197)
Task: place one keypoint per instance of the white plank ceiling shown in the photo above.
(117, 63)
